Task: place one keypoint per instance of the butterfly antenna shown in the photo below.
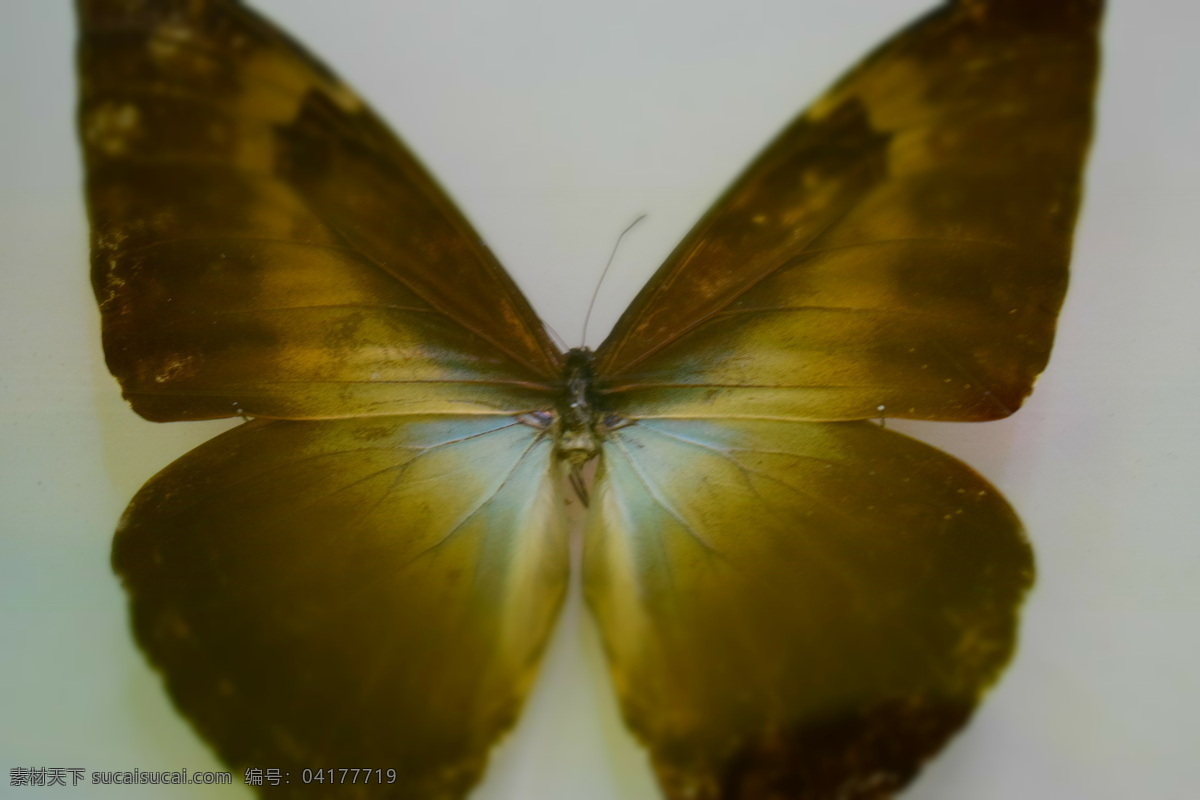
(596, 293)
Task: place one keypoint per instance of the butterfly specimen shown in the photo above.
(794, 602)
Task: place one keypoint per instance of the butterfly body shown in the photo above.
(583, 424)
(577, 422)
(793, 601)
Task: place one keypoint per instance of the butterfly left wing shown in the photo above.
(370, 587)
(365, 593)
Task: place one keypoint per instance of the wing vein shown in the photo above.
(725, 303)
(653, 492)
(474, 511)
(834, 562)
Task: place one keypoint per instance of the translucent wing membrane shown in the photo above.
(900, 250)
(797, 610)
(369, 592)
(262, 244)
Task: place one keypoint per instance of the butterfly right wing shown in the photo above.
(263, 245)
(795, 603)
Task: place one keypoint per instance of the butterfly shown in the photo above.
(794, 602)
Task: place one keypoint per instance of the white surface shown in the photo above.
(554, 125)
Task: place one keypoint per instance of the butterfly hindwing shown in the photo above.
(900, 250)
(351, 593)
(263, 245)
(799, 610)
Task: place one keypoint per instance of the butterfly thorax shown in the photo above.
(578, 421)
(577, 436)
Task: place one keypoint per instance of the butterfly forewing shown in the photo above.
(900, 250)
(263, 245)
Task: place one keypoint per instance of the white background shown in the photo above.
(554, 124)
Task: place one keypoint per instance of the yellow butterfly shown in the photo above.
(794, 602)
